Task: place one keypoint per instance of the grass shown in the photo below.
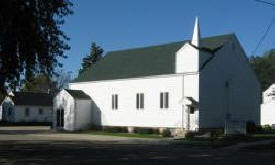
(133, 135)
(261, 147)
(224, 141)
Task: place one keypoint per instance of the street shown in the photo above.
(21, 145)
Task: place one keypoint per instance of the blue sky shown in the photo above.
(123, 24)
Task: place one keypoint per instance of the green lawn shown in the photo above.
(135, 135)
(224, 141)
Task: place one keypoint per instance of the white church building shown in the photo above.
(190, 85)
(268, 107)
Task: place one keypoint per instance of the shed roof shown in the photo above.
(78, 94)
(139, 62)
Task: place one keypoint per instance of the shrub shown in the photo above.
(267, 129)
(156, 131)
(115, 129)
(189, 135)
(144, 130)
(250, 127)
(166, 133)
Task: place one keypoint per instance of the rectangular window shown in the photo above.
(164, 100)
(114, 101)
(27, 112)
(40, 111)
(192, 110)
(161, 100)
(9, 111)
(140, 100)
(137, 103)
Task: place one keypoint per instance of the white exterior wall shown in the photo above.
(83, 114)
(191, 89)
(63, 100)
(34, 116)
(241, 100)
(18, 112)
(268, 106)
(268, 113)
(127, 114)
(1, 112)
(187, 59)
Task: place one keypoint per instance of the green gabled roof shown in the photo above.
(78, 94)
(139, 62)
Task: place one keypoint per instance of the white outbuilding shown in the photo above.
(268, 107)
(72, 110)
(27, 107)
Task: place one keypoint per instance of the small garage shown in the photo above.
(72, 110)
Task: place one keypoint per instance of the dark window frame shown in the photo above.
(140, 100)
(114, 101)
(27, 111)
(41, 111)
(164, 100)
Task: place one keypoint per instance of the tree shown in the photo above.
(95, 55)
(30, 38)
(62, 80)
(43, 83)
(264, 67)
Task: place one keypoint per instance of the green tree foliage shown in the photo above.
(31, 40)
(264, 68)
(95, 55)
(41, 83)
(2, 96)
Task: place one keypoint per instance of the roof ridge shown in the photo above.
(167, 43)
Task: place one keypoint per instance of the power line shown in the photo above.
(264, 36)
(267, 30)
(269, 3)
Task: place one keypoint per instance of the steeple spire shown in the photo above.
(196, 34)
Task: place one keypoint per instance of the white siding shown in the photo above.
(64, 101)
(268, 113)
(1, 112)
(268, 106)
(83, 114)
(34, 116)
(240, 100)
(187, 59)
(127, 114)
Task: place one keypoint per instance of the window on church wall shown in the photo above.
(164, 100)
(114, 101)
(140, 101)
(27, 112)
(192, 110)
(40, 111)
(9, 111)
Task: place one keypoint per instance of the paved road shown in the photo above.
(40, 146)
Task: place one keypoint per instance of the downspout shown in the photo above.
(75, 108)
(182, 112)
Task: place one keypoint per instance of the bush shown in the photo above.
(189, 135)
(115, 129)
(166, 133)
(267, 129)
(144, 130)
(156, 131)
(251, 127)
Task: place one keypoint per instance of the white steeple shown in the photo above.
(196, 34)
